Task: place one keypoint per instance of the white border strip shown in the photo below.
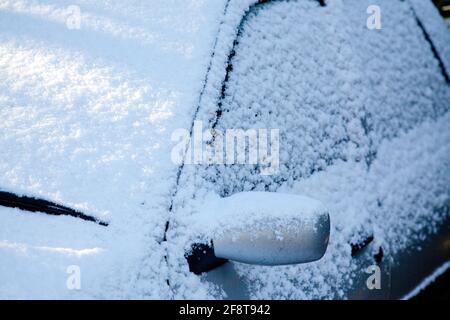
(427, 281)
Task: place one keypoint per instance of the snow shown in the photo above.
(86, 122)
(37, 249)
(436, 28)
(427, 281)
(87, 116)
(245, 210)
(375, 151)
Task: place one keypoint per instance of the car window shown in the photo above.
(334, 88)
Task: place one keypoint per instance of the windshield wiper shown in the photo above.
(12, 200)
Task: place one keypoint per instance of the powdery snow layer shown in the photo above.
(38, 250)
(363, 118)
(86, 119)
(245, 210)
(435, 27)
(87, 116)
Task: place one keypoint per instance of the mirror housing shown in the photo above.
(298, 244)
(272, 229)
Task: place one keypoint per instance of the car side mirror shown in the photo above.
(264, 228)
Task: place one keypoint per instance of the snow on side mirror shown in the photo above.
(265, 228)
(260, 228)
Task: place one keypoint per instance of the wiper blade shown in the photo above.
(25, 203)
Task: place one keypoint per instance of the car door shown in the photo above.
(354, 105)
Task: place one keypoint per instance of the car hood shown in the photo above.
(90, 94)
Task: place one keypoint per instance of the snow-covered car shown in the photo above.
(116, 179)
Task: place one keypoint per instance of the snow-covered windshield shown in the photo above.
(90, 92)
